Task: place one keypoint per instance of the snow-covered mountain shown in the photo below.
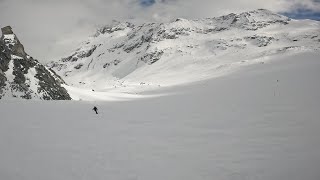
(21, 76)
(260, 122)
(181, 51)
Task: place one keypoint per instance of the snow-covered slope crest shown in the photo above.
(23, 77)
(181, 51)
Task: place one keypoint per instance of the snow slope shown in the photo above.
(261, 123)
(126, 56)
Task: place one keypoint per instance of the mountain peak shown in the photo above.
(263, 11)
(21, 76)
(113, 27)
(6, 30)
(11, 41)
(265, 15)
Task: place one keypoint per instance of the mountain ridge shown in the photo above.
(23, 77)
(182, 51)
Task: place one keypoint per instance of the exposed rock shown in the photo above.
(260, 41)
(152, 57)
(21, 76)
(115, 26)
(6, 30)
(11, 42)
(87, 53)
(78, 66)
(114, 62)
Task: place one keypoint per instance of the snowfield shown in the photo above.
(260, 122)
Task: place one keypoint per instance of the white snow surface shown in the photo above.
(260, 122)
(33, 82)
(9, 73)
(9, 39)
(16, 57)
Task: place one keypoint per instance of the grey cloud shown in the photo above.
(313, 5)
(50, 29)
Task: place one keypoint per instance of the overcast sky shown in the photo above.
(50, 29)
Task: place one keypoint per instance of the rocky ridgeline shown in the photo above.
(140, 38)
(21, 76)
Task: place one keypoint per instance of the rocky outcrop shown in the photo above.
(21, 76)
(12, 42)
(6, 30)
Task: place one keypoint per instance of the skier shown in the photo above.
(95, 109)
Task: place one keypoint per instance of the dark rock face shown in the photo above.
(4, 65)
(260, 41)
(82, 54)
(6, 30)
(152, 57)
(50, 86)
(21, 76)
(12, 42)
(115, 26)
(78, 66)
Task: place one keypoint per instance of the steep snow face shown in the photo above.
(182, 51)
(21, 76)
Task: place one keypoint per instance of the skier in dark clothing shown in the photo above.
(95, 109)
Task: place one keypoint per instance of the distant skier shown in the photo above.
(95, 109)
